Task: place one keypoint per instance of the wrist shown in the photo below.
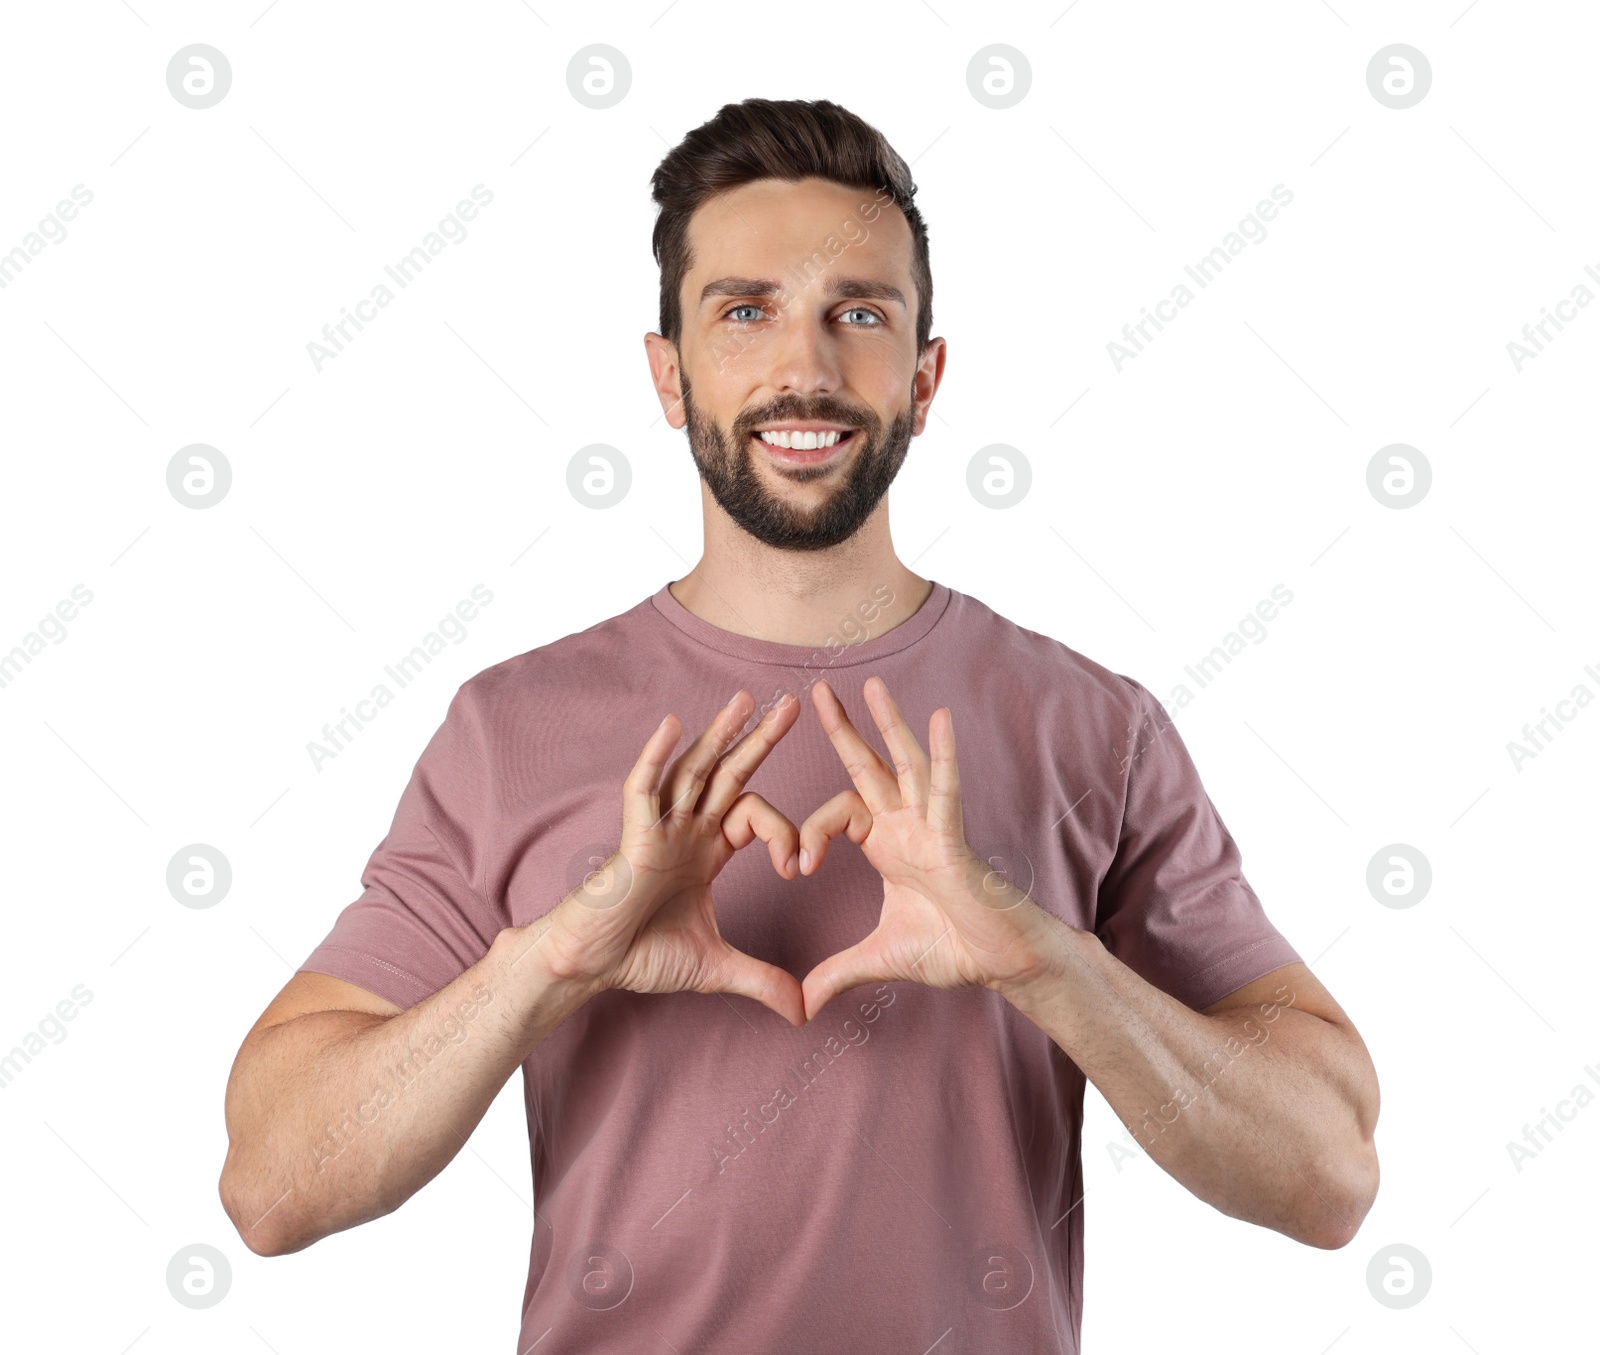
(549, 985)
(1055, 951)
(582, 938)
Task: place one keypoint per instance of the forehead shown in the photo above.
(769, 227)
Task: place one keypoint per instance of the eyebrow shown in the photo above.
(834, 288)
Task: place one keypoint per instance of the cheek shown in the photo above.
(874, 379)
(724, 382)
(880, 375)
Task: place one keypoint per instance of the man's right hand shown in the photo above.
(644, 921)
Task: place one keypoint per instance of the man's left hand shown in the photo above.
(949, 920)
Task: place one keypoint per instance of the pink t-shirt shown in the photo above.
(903, 1172)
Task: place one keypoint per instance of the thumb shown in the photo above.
(840, 972)
(736, 972)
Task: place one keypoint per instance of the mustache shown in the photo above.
(821, 413)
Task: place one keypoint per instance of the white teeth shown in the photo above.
(799, 441)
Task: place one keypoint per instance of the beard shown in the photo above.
(727, 463)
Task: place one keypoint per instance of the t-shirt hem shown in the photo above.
(388, 981)
(1255, 961)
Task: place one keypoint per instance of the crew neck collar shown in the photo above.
(752, 649)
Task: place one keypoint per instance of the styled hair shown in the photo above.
(788, 139)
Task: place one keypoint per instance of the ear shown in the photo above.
(930, 371)
(663, 357)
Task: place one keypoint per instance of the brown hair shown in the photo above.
(787, 139)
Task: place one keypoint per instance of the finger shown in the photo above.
(686, 778)
(752, 817)
(739, 763)
(870, 773)
(642, 787)
(944, 784)
(772, 987)
(841, 972)
(910, 762)
(846, 814)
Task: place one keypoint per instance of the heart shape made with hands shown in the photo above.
(947, 920)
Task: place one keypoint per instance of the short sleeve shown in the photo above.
(1174, 905)
(421, 921)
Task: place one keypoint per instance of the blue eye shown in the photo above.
(758, 313)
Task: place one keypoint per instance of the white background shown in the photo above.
(430, 456)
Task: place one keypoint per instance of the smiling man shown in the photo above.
(825, 1096)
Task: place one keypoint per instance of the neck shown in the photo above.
(845, 594)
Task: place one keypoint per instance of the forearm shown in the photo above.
(335, 1118)
(1264, 1113)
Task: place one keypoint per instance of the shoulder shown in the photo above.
(531, 701)
(1052, 667)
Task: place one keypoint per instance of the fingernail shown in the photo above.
(789, 865)
(805, 860)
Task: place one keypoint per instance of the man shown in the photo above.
(817, 1097)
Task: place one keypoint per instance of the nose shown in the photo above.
(803, 358)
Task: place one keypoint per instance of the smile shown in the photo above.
(802, 448)
(802, 440)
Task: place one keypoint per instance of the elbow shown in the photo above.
(260, 1243)
(255, 1222)
(1333, 1210)
(1345, 1175)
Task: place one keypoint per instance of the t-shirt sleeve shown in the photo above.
(1174, 905)
(421, 920)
